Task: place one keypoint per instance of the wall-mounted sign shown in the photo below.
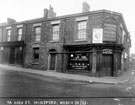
(97, 35)
(107, 51)
(109, 32)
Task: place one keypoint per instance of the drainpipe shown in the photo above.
(24, 47)
(63, 44)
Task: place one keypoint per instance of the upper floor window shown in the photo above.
(9, 35)
(19, 34)
(55, 32)
(37, 30)
(81, 30)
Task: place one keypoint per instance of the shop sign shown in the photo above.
(107, 51)
(110, 32)
(97, 35)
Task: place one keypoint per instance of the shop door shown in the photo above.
(12, 56)
(53, 61)
(107, 62)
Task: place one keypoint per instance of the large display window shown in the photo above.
(78, 61)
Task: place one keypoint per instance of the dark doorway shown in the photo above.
(19, 56)
(12, 55)
(107, 65)
(52, 59)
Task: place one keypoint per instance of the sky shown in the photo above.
(21, 10)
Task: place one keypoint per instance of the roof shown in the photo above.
(42, 19)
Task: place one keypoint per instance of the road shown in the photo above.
(18, 87)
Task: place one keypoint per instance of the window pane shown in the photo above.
(37, 30)
(9, 32)
(37, 38)
(20, 31)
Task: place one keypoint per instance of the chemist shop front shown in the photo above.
(94, 60)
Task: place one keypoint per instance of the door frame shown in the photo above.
(49, 62)
(112, 58)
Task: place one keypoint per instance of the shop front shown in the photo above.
(12, 53)
(94, 60)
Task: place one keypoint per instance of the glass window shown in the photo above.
(37, 33)
(55, 29)
(8, 35)
(81, 33)
(19, 34)
(36, 54)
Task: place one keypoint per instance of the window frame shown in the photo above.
(19, 33)
(55, 32)
(81, 30)
(8, 34)
(36, 53)
(37, 34)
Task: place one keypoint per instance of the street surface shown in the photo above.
(18, 87)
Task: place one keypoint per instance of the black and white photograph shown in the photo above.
(67, 52)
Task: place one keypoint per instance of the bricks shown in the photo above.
(67, 33)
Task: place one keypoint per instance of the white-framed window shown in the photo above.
(81, 30)
(8, 34)
(37, 31)
(19, 31)
(55, 32)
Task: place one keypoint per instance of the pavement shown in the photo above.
(125, 77)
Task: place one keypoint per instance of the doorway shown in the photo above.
(52, 57)
(12, 56)
(107, 65)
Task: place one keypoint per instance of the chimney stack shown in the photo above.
(86, 7)
(45, 13)
(10, 21)
(51, 12)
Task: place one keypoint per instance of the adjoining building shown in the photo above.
(94, 43)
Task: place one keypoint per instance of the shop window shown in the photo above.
(37, 30)
(35, 55)
(55, 32)
(81, 30)
(78, 61)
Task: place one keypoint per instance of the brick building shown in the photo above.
(94, 43)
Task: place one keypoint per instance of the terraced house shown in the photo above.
(93, 43)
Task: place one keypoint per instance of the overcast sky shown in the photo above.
(21, 10)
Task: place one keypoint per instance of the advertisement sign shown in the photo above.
(97, 35)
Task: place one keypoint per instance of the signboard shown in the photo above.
(107, 51)
(110, 32)
(97, 35)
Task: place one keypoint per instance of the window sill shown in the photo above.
(36, 42)
(81, 40)
(35, 63)
(54, 41)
